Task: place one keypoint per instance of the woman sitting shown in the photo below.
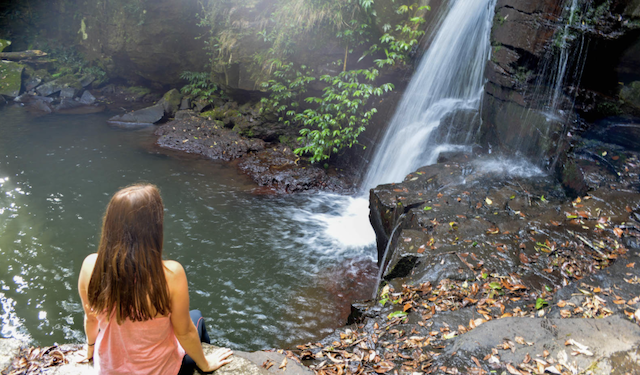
(136, 305)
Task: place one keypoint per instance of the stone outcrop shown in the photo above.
(520, 37)
(489, 267)
(69, 361)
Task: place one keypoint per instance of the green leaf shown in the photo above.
(383, 301)
(474, 244)
(396, 314)
(548, 288)
(495, 285)
(543, 199)
(428, 208)
(540, 303)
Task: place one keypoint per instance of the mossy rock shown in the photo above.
(630, 94)
(4, 44)
(215, 114)
(10, 78)
(70, 80)
(171, 101)
(138, 92)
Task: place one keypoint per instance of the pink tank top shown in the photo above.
(148, 347)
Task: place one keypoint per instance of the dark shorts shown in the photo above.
(188, 364)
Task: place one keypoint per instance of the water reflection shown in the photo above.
(265, 271)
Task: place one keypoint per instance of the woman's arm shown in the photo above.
(90, 320)
(183, 327)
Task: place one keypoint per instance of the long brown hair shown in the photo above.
(129, 274)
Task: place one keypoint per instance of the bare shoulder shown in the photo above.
(87, 269)
(172, 269)
(89, 263)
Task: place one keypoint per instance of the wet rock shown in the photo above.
(31, 97)
(3, 101)
(31, 83)
(197, 135)
(67, 93)
(57, 85)
(10, 78)
(40, 106)
(87, 98)
(86, 80)
(141, 117)
(68, 104)
(621, 132)
(279, 170)
(185, 103)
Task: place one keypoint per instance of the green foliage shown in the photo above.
(341, 114)
(200, 87)
(286, 90)
(67, 60)
(540, 303)
(398, 42)
(333, 120)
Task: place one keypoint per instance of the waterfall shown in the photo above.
(450, 78)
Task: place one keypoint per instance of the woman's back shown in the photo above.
(148, 347)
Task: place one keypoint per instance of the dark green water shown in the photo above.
(262, 269)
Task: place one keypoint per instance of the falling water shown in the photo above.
(563, 60)
(450, 78)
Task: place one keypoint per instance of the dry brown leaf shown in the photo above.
(513, 370)
(283, 365)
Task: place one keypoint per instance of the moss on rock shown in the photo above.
(4, 44)
(10, 78)
(630, 94)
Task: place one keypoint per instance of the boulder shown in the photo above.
(618, 131)
(40, 106)
(87, 98)
(630, 94)
(67, 93)
(10, 78)
(55, 86)
(31, 97)
(86, 80)
(67, 104)
(171, 102)
(145, 116)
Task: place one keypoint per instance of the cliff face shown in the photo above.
(549, 59)
(520, 36)
(142, 41)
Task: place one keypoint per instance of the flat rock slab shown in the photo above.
(9, 349)
(243, 363)
(603, 337)
(145, 116)
(263, 357)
